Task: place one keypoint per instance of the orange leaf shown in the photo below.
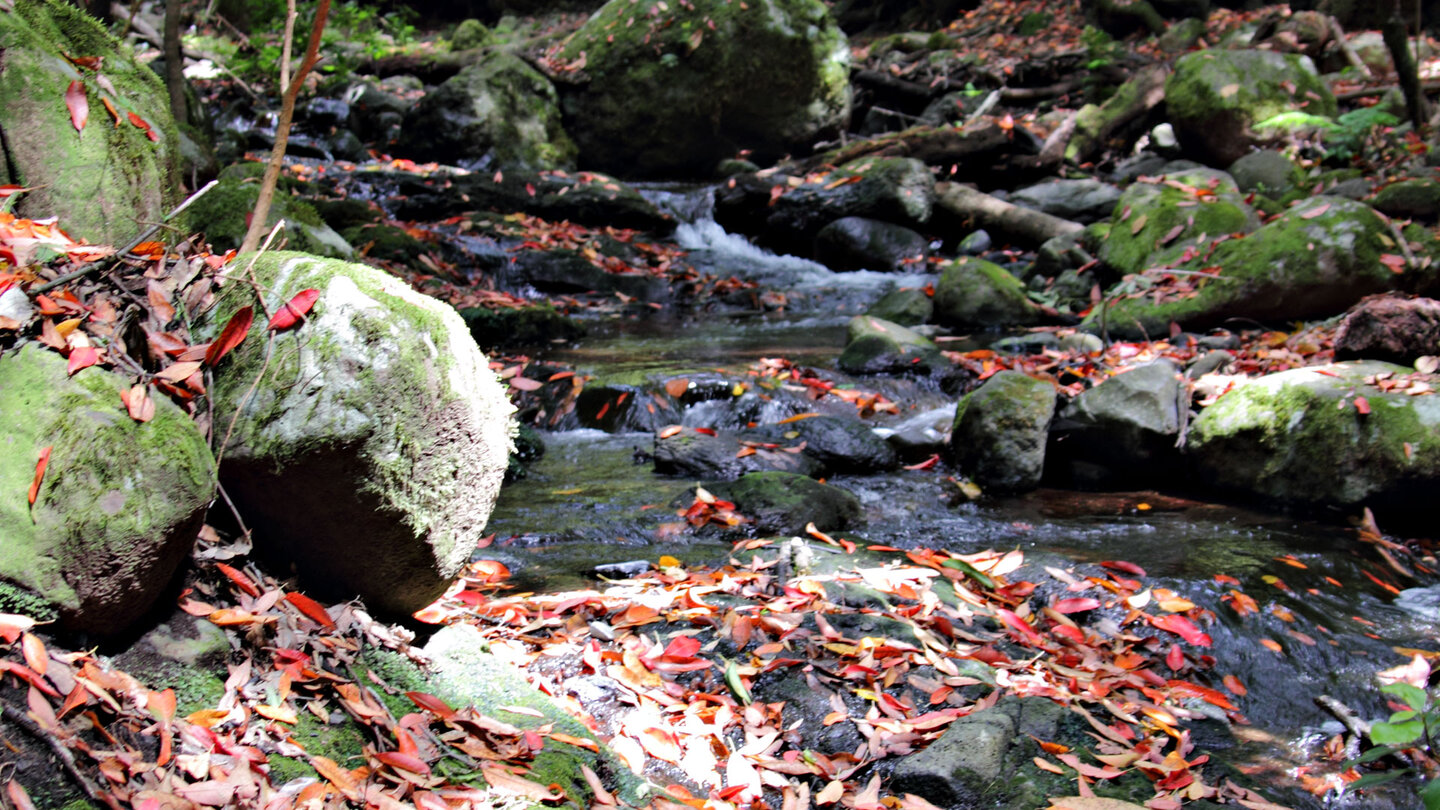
(40, 466)
(35, 655)
(239, 578)
(110, 108)
(677, 387)
(669, 430)
(1316, 211)
(432, 704)
(231, 336)
(280, 714)
(506, 782)
(78, 105)
(82, 357)
(18, 797)
(137, 121)
(294, 310)
(338, 776)
(314, 610)
(524, 383)
(1362, 405)
(162, 705)
(404, 762)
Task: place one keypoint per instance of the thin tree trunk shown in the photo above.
(174, 61)
(1397, 40)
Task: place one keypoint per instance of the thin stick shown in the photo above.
(287, 42)
(146, 234)
(62, 753)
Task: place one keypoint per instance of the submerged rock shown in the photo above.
(119, 504)
(371, 451)
(998, 438)
(1327, 435)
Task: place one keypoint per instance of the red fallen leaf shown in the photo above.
(404, 762)
(1235, 686)
(1182, 627)
(18, 797)
(1362, 405)
(33, 650)
(682, 648)
(1076, 605)
(530, 189)
(231, 336)
(13, 624)
(524, 383)
(294, 310)
(78, 105)
(1204, 693)
(1018, 624)
(40, 464)
(137, 121)
(1175, 659)
(705, 431)
(150, 133)
(110, 108)
(670, 430)
(431, 704)
(1121, 565)
(238, 577)
(1316, 211)
(312, 609)
(1395, 263)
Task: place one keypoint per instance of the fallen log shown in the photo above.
(995, 215)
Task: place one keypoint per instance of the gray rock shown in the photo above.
(874, 346)
(1060, 253)
(1122, 431)
(842, 445)
(860, 243)
(782, 503)
(976, 294)
(1266, 171)
(907, 307)
(1208, 363)
(371, 453)
(118, 506)
(693, 454)
(1085, 201)
(955, 770)
(1298, 437)
(921, 435)
(998, 439)
(974, 243)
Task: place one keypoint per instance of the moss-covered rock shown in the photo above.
(874, 346)
(1417, 197)
(106, 182)
(1215, 98)
(998, 438)
(370, 451)
(676, 89)
(221, 214)
(1302, 437)
(499, 107)
(782, 503)
(1268, 172)
(975, 294)
(470, 33)
(1314, 261)
(120, 501)
(1202, 203)
(907, 307)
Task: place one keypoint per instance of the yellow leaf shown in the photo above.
(281, 714)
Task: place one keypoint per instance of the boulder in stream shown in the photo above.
(1122, 432)
(119, 504)
(860, 243)
(843, 445)
(675, 89)
(1393, 327)
(371, 450)
(1344, 434)
(1000, 429)
(718, 454)
(975, 294)
(782, 503)
(874, 346)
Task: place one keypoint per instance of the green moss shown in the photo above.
(1159, 208)
(15, 599)
(1248, 82)
(470, 33)
(975, 294)
(343, 742)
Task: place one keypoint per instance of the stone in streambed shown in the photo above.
(1390, 327)
(781, 503)
(907, 307)
(118, 506)
(875, 346)
(718, 455)
(370, 452)
(859, 243)
(1000, 429)
(842, 445)
(1122, 432)
(975, 294)
(1082, 200)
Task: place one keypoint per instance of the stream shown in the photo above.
(593, 500)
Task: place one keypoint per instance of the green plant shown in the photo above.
(1343, 138)
(1101, 49)
(1409, 733)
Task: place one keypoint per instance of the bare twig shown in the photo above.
(62, 753)
(1350, 55)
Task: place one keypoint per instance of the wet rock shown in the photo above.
(1143, 233)
(568, 272)
(957, 769)
(677, 94)
(222, 214)
(1122, 432)
(782, 503)
(842, 445)
(370, 455)
(585, 198)
(1083, 201)
(617, 408)
(1417, 198)
(1060, 253)
(508, 327)
(378, 108)
(874, 346)
(1313, 261)
(809, 702)
(998, 438)
(1393, 328)
(907, 307)
(859, 243)
(974, 243)
(1266, 171)
(716, 455)
(900, 190)
(976, 294)
(119, 504)
(322, 113)
(1300, 437)
(499, 110)
(1215, 97)
(922, 435)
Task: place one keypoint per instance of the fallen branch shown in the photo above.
(62, 753)
(1021, 224)
(1350, 55)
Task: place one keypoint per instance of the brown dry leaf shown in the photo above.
(506, 782)
(337, 776)
(1090, 803)
(179, 372)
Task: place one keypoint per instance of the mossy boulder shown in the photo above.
(105, 182)
(1215, 98)
(372, 446)
(221, 214)
(1417, 197)
(674, 90)
(1303, 437)
(1314, 261)
(907, 307)
(781, 503)
(499, 108)
(874, 346)
(975, 294)
(1202, 203)
(119, 504)
(998, 437)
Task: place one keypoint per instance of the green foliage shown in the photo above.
(1344, 138)
(354, 30)
(1100, 48)
(1410, 729)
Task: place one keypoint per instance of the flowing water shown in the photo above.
(593, 499)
